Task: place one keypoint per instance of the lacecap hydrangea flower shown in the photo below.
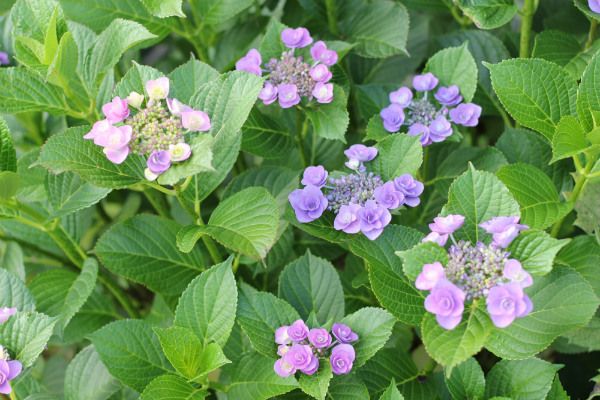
(9, 370)
(428, 113)
(156, 130)
(361, 200)
(290, 78)
(302, 349)
(476, 271)
(594, 5)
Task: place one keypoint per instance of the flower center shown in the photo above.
(154, 128)
(421, 111)
(355, 188)
(291, 70)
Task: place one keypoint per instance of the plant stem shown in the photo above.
(330, 6)
(215, 255)
(301, 128)
(160, 188)
(591, 34)
(526, 22)
(157, 202)
(119, 296)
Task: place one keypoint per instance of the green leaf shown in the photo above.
(11, 259)
(187, 354)
(135, 80)
(348, 387)
(378, 29)
(253, 379)
(14, 293)
(187, 79)
(216, 12)
(143, 249)
(479, 196)
(466, 381)
(131, 352)
(24, 90)
(8, 156)
(392, 393)
(562, 301)
(398, 154)
(423, 253)
(208, 305)
(259, 314)
(387, 366)
(535, 193)
(68, 194)
(312, 285)
(26, 335)
(374, 327)
(115, 40)
(200, 161)
(250, 230)
(527, 379)
(78, 293)
(488, 14)
(271, 45)
(588, 213)
(583, 255)
(164, 8)
(172, 387)
(317, 385)
(87, 378)
(569, 139)
(455, 66)
(452, 347)
(10, 182)
(266, 137)
(68, 151)
(556, 46)
(535, 92)
(330, 121)
(536, 250)
(588, 95)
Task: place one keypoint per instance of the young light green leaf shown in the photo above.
(164, 8)
(200, 161)
(535, 193)
(398, 155)
(68, 151)
(455, 66)
(330, 121)
(271, 45)
(537, 93)
(569, 139)
(536, 250)
(583, 255)
(259, 314)
(479, 196)
(317, 385)
(187, 79)
(527, 379)
(312, 285)
(374, 327)
(424, 253)
(135, 80)
(131, 352)
(172, 387)
(488, 14)
(208, 305)
(9, 182)
(556, 46)
(87, 378)
(67, 194)
(392, 392)
(26, 335)
(253, 379)
(13, 292)
(250, 230)
(562, 301)
(466, 381)
(379, 29)
(8, 156)
(143, 249)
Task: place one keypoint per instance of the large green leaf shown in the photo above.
(68, 151)
(312, 285)
(26, 335)
(451, 347)
(414, 258)
(11, 259)
(588, 95)
(14, 293)
(330, 121)
(466, 381)
(562, 301)
(87, 378)
(143, 249)
(379, 29)
(187, 79)
(317, 385)
(253, 379)
(524, 380)
(131, 352)
(164, 8)
(488, 14)
(68, 194)
(348, 387)
(216, 12)
(583, 255)
(24, 90)
(536, 194)
(556, 46)
(373, 327)
(208, 305)
(536, 250)
(250, 230)
(569, 138)
(8, 156)
(479, 196)
(266, 137)
(537, 93)
(172, 387)
(135, 80)
(259, 314)
(385, 366)
(398, 154)
(200, 161)
(586, 206)
(455, 66)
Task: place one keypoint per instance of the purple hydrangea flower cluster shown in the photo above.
(290, 78)
(156, 131)
(361, 200)
(427, 117)
(474, 272)
(300, 348)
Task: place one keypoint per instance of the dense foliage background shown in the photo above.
(126, 287)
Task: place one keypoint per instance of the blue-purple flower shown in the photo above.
(373, 218)
(319, 338)
(315, 175)
(427, 116)
(410, 188)
(4, 59)
(503, 229)
(9, 370)
(342, 359)
(343, 333)
(308, 203)
(442, 227)
(296, 38)
(347, 219)
(507, 302)
(430, 276)
(447, 302)
(594, 6)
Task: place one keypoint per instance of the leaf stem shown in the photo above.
(526, 22)
(591, 34)
(215, 255)
(331, 8)
(301, 129)
(157, 202)
(160, 188)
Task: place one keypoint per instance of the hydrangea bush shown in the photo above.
(245, 200)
